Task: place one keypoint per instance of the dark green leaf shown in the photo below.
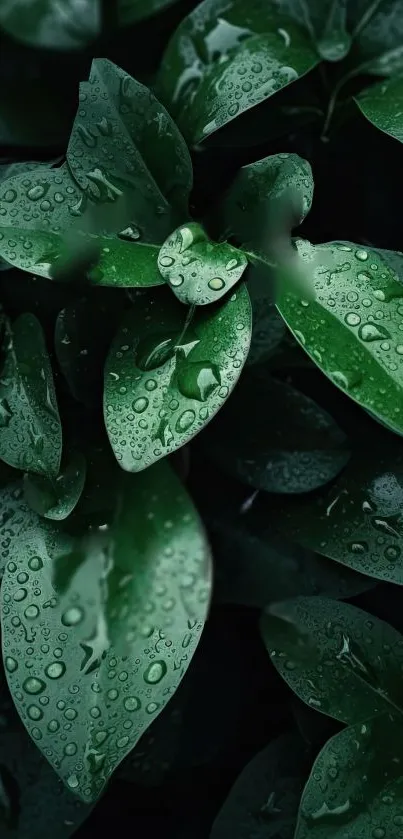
(132, 11)
(335, 657)
(326, 22)
(205, 272)
(355, 788)
(48, 23)
(224, 60)
(30, 429)
(55, 498)
(350, 324)
(377, 26)
(167, 373)
(382, 105)
(263, 802)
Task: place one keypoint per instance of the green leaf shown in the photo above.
(358, 520)
(169, 371)
(50, 24)
(378, 32)
(336, 658)
(263, 802)
(223, 60)
(30, 429)
(132, 11)
(275, 438)
(12, 524)
(206, 270)
(381, 105)
(324, 20)
(56, 498)
(356, 785)
(84, 705)
(350, 324)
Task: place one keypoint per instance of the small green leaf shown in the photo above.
(355, 788)
(358, 520)
(197, 270)
(30, 429)
(132, 11)
(350, 324)
(84, 705)
(275, 438)
(168, 373)
(49, 24)
(221, 62)
(335, 657)
(381, 104)
(56, 498)
(264, 799)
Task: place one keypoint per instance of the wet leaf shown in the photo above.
(15, 518)
(132, 11)
(84, 705)
(275, 438)
(263, 802)
(381, 104)
(356, 786)
(206, 270)
(358, 520)
(30, 429)
(50, 24)
(55, 498)
(349, 325)
(335, 657)
(162, 385)
(223, 60)
(324, 20)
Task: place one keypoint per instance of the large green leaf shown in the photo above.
(350, 326)
(205, 272)
(225, 58)
(84, 705)
(357, 520)
(12, 523)
(263, 802)
(335, 657)
(355, 788)
(49, 23)
(30, 429)
(168, 373)
(132, 11)
(377, 27)
(55, 498)
(275, 438)
(382, 105)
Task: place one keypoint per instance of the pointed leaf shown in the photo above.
(167, 374)
(56, 498)
(30, 429)
(205, 272)
(221, 61)
(335, 657)
(350, 326)
(48, 23)
(381, 104)
(132, 11)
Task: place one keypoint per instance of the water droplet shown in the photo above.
(20, 594)
(34, 713)
(35, 563)
(361, 254)
(359, 547)
(33, 686)
(216, 284)
(72, 616)
(55, 670)
(70, 749)
(198, 379)
(11, 664)
(150, 384)
(155, 672)
(70, 713)
(37, 192)
(132, 703)
(72, 781)
(352, 319)
(166, 261)
(53, 726)
(31, 612)
(130, 233)
(185, 421)
(378, 833)
(372, 332)
(122, 742)
(151, 707)
(139, 405)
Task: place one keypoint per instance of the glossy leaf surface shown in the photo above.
(49, 24)
(381, 104)
(56, 498)
(378, 31)
(222, 61)
(163, 385)
(275, 438)
(335, 657)
(30, 429)
(197, 270)
(350, 324)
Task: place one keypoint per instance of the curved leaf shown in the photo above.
(50, 24)
(382, 105)
(335, 657)
(30, 429)
(326, 22)
(263, 802)
(84, 705)
(132, 11)
(377, 27)
(356, 786)
(350, 324)
(167, 373)
(224, 59)
(358, 520)
(275, 438)
(56, 498)
(205, 272)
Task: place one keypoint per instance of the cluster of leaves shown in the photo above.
(136, 317)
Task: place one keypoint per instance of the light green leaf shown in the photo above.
(51, 24)
(225, 58)
(84, 705)
(205, 271)
(382, 105)
(30, 429)
(275, 438)
(336, 658)
(169, 371)
(355, 788)
(350, 324)
(132, 11)
(55, 498)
